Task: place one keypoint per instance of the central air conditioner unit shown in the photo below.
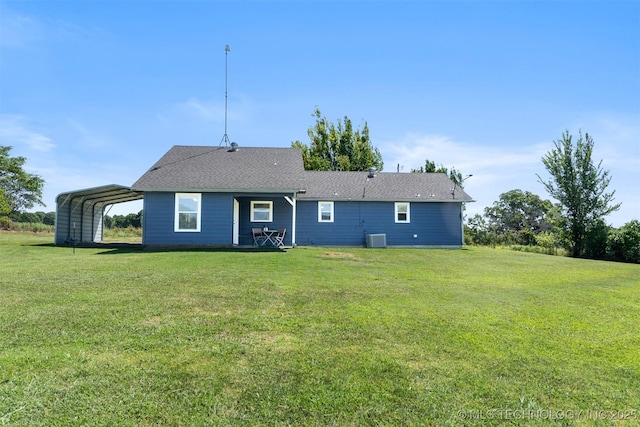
(376, 240)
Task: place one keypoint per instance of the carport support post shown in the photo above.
(293, 203)
(96, 232)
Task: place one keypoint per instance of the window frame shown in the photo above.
(397, 205)
(253, 210)
(176, 224)
(331, 211)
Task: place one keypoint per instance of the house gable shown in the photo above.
(220, 169)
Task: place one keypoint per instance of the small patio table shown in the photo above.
(269, 237)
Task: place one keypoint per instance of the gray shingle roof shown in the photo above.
(262, 169)
(383, 186)
(206, 168)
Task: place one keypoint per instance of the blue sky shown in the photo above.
(94, 92)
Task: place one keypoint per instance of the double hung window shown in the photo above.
(261, 211)
(325, 211)
(187, 212)
(402, 212)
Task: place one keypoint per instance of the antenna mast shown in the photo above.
(225, 138)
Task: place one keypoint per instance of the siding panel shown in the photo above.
(433, 224)
(215, 227)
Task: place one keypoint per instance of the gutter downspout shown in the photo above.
(462, 224)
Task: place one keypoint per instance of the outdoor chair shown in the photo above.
(279, 239)
(258, 236)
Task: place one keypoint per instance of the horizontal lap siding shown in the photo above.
(215, 226)
(347, 229)
(433, 224)
(436, 224)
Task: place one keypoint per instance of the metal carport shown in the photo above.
(79, 213)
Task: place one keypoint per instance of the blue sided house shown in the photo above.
(222, 196)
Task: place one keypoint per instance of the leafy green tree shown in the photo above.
(123, 221)
(595, 240)
(49, 218)
(624, 243)
(478, 230)
(19, 190)
(338, 147)
(580, 187)
(521, 214)
(5, 209)
(431, 167)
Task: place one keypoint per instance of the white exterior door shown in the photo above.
(236, 222)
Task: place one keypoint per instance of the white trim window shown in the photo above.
(261, 211)
(187, 212)
(325, 211)
(403, 212)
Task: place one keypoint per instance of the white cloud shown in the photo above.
(498, 169)
(15, 131)
(201, 109)
(18, 30)
(617, 141)
(207, 110)
(495, 170)
(487, 164)
(87, 137)
(61, 176)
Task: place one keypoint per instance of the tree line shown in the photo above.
(133, 220)
(523, 219)
(46, 218)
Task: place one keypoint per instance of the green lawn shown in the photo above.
(314, 336)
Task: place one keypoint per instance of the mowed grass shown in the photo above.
(314, 336)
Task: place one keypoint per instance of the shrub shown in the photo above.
(34, 227)
(624, 243)
(6, 223)
(545, 240)
(553, 250)
(129, 232)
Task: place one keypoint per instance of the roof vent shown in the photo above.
(372, 173)
(234, 146)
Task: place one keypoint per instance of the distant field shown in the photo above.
(314, 336)
(128, 235)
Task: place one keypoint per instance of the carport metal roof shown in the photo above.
(85, 207)
(107, 194)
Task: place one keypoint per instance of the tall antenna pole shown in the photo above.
(225, 138)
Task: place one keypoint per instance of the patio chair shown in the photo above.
(258, 236)
(279, 239)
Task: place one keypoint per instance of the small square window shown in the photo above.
(325, 211)
(402, 212)
(187, 212)
(261, 211)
